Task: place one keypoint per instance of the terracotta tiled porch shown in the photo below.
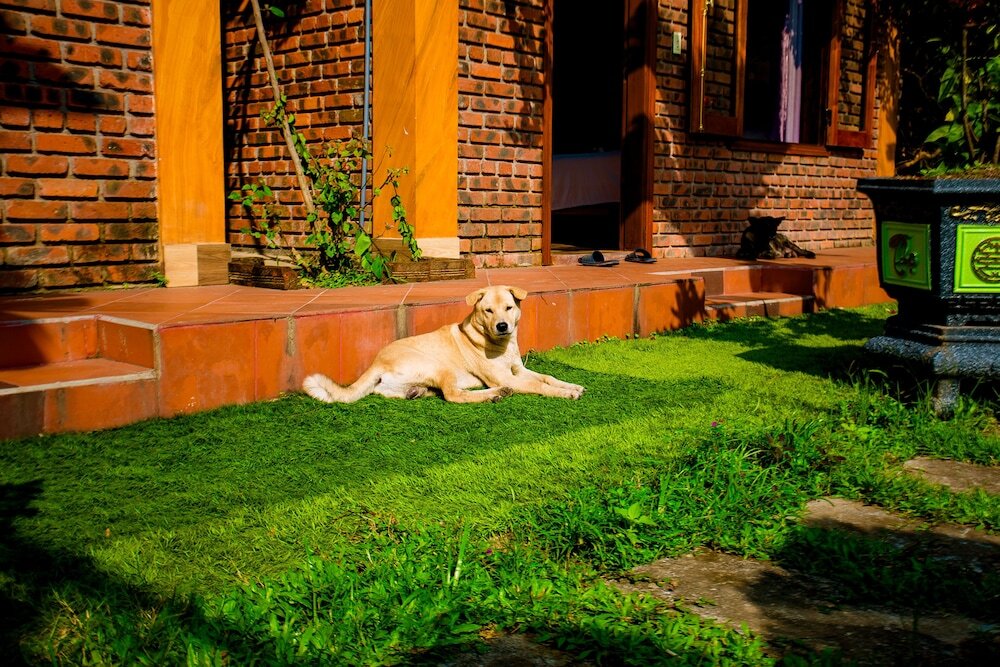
(98, 359)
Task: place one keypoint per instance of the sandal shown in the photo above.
(640, 256)
(596, 258)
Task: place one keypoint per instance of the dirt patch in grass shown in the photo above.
(789, 609)
(512, 651)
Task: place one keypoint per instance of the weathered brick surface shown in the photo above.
(77, 140)
(319, 57)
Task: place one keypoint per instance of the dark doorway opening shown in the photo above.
(587, 125)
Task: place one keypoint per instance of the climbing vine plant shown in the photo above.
(343, 249)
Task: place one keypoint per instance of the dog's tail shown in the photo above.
(324, 389)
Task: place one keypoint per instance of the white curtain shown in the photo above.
(790, 111)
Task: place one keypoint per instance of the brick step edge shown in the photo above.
(724, 307)
(66, 374)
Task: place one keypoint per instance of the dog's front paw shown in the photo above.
(576, 391)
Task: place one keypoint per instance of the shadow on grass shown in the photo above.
(845, 325)
(115, 493)
(778, 343)
(54, 593)
(90, 615)
(166, 474)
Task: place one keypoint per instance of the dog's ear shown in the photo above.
(474, 298)
(518, 293)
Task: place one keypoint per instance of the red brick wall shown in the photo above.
(319, 57)
(77, 173)
(77, 139)
(704, 188)
(500, 51)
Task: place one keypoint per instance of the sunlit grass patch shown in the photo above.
(159, 541)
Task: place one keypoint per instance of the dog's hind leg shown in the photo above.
(395, 385)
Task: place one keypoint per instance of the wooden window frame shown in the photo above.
(704, 121)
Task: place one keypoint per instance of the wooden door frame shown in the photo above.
(638, 124)
(639, 113)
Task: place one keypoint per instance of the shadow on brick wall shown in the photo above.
(34, 75)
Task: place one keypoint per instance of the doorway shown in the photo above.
(599, 134)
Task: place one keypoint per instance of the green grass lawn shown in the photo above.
(383, 531)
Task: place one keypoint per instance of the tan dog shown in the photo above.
(457, 360)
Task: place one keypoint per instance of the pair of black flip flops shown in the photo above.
(596, 258)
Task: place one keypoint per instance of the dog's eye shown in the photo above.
(489, 310)
(510, 307)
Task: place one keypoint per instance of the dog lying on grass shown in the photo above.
(474, 361)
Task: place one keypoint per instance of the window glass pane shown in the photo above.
(784, 69)
(817, 16)
(765, 23)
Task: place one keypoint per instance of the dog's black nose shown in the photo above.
(502, 327)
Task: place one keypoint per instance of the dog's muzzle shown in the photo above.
(503, 328)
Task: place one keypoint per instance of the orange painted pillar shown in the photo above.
(190, 165)
(415, 115)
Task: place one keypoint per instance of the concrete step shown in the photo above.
(54, 373)
(757, 278)
(77, 372)
(57, 339)
(78, 395)
(725, 307)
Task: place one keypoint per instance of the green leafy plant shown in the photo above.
(344, 250)
(969, 91)
(969, 96)
(336, 231)
(256, 200)
(343, 243)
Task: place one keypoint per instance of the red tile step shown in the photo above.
(75, 374)
(100, 359)
(725, 307)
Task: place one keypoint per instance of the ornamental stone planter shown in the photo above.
(938, 243)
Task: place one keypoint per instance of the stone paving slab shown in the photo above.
(783, 606)
(957, 475)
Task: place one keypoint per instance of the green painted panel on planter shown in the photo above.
(906, 255)
(977, 259)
